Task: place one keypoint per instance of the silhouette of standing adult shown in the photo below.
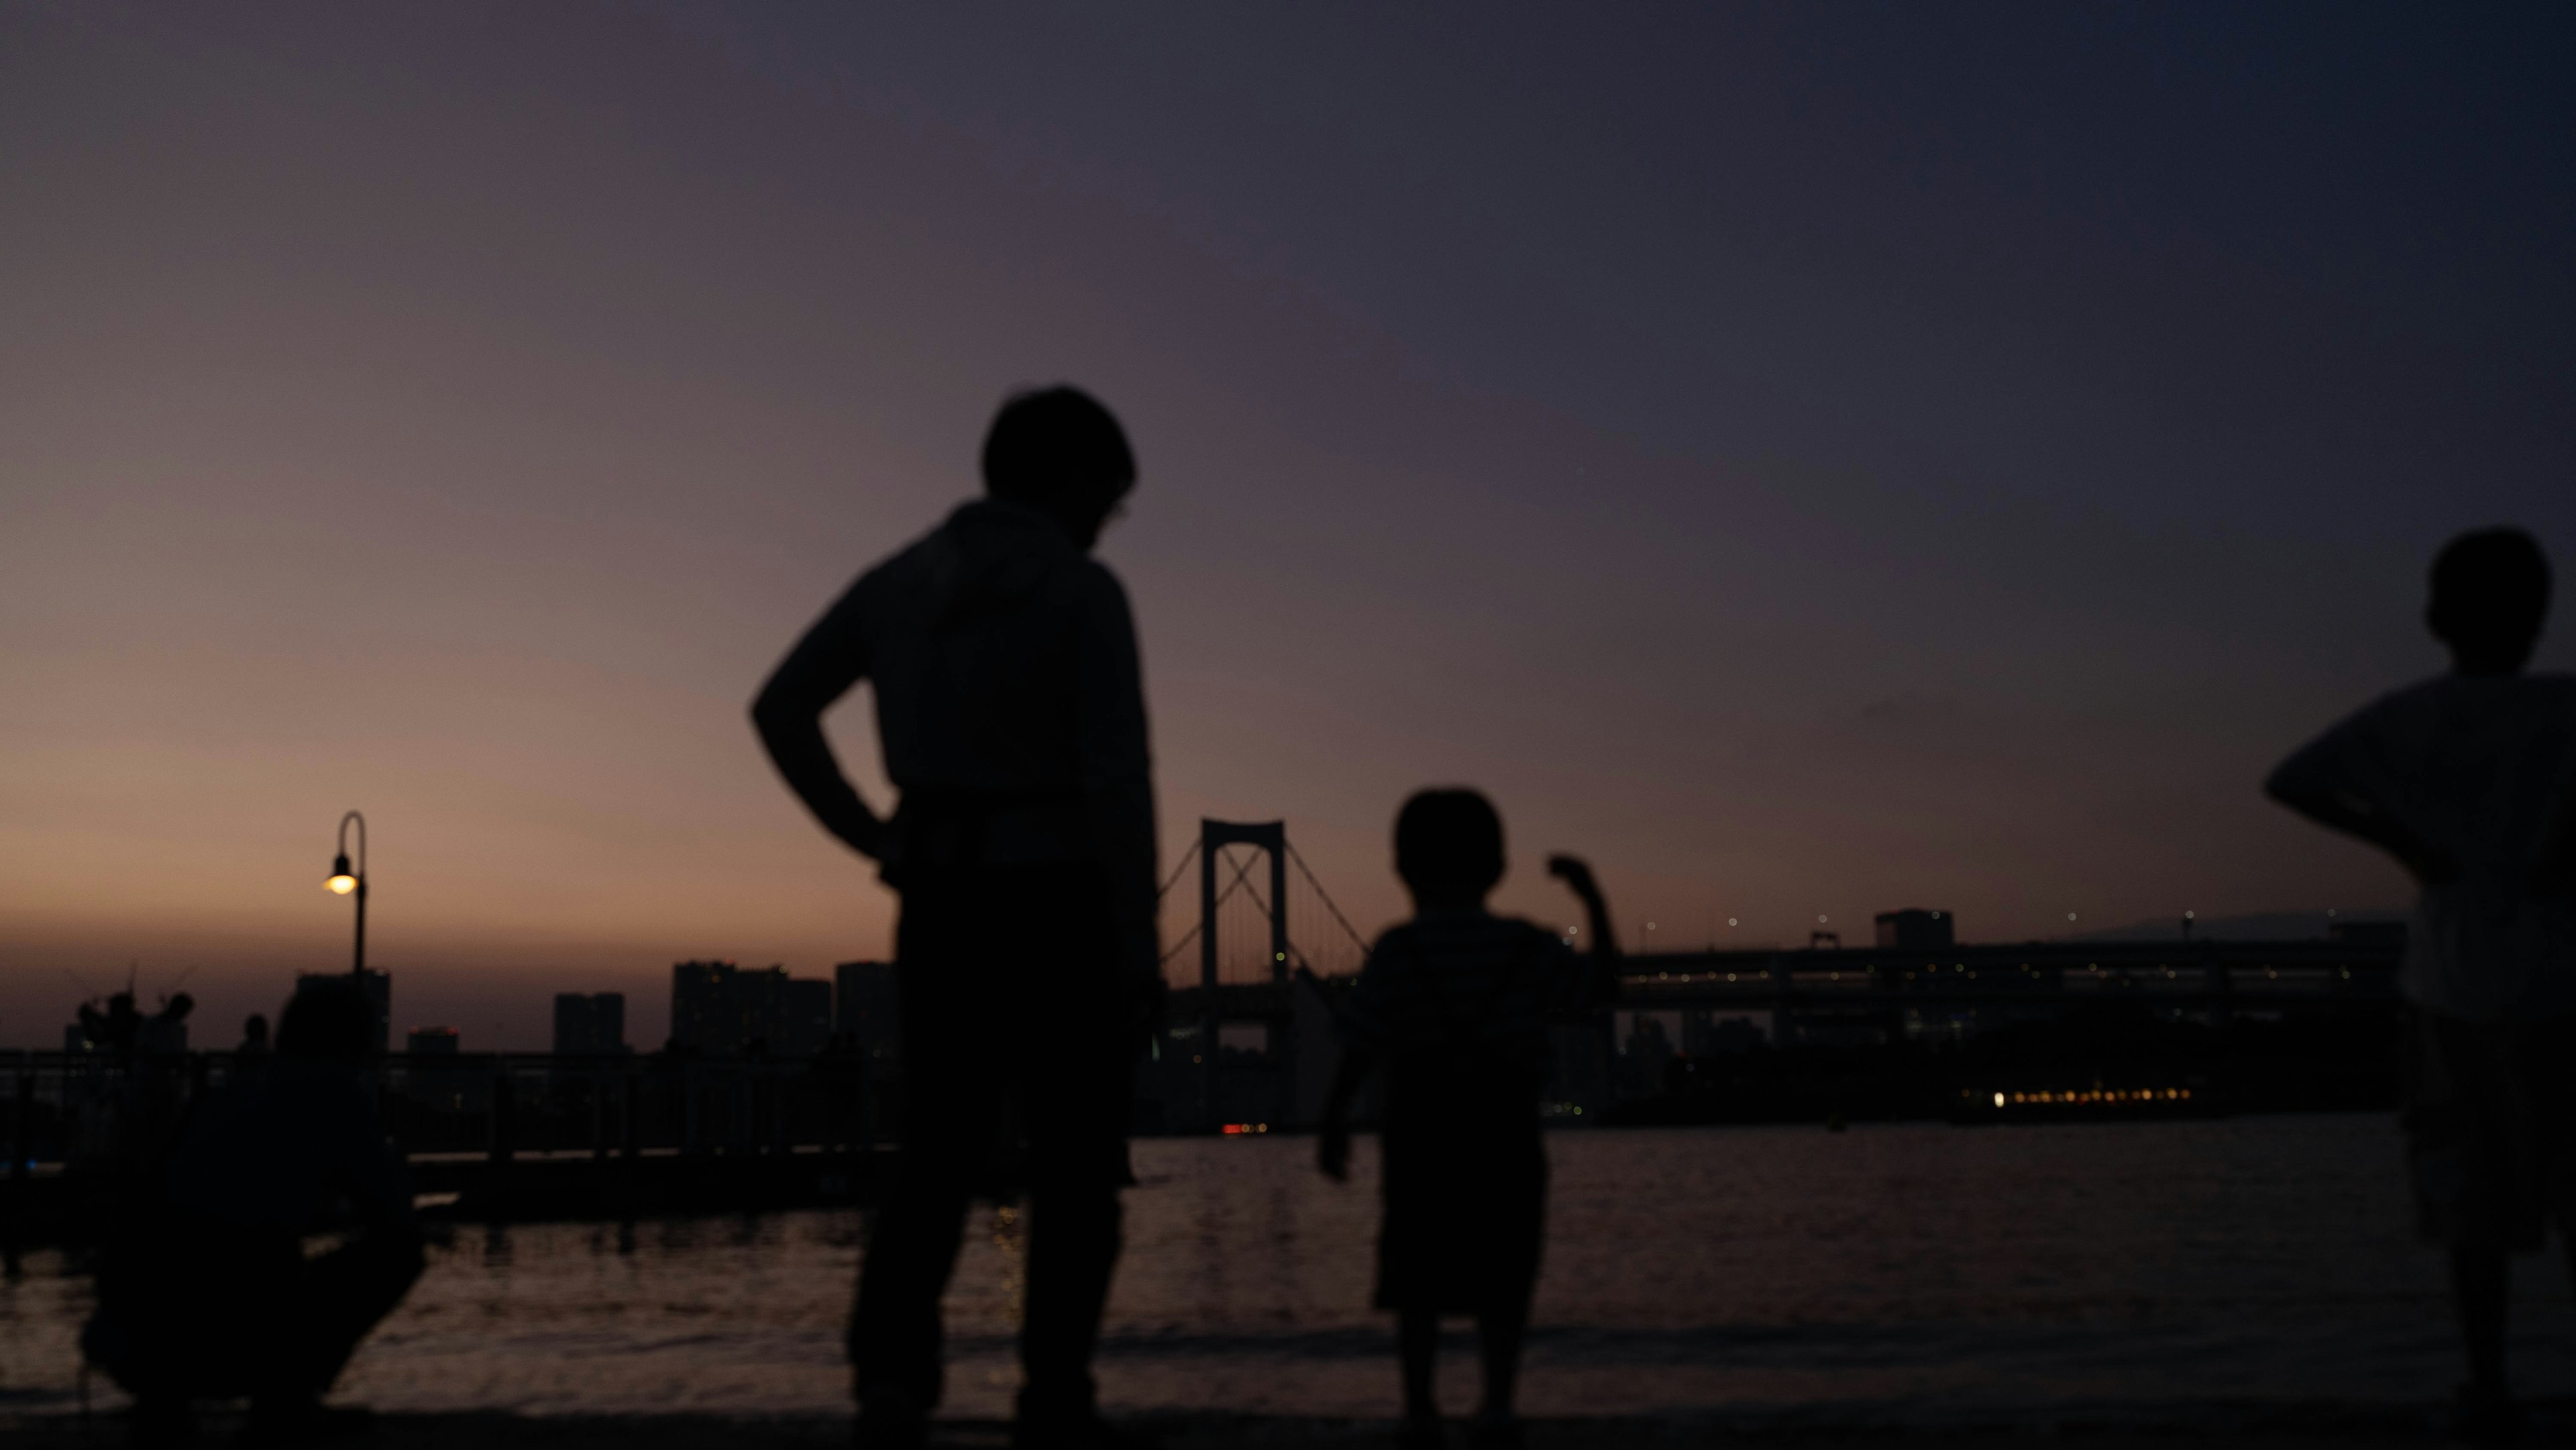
(2469, 780)
(1012, 717)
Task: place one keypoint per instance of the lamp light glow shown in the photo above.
(352, 884)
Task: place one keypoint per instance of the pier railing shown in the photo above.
(74, 1107)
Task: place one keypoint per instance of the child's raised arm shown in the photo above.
(1577, 876)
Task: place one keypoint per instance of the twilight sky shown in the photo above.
(1809, 459)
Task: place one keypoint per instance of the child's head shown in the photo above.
(1449, 847)
(2490, 591)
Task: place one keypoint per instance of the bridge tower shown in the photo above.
(1214, 836)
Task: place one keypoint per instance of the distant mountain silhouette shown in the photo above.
(2261, 926)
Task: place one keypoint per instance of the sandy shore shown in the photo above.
(2310, 1428)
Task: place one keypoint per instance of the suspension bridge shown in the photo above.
(1245, 1046)
(1248, 1044)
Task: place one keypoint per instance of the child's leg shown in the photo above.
(1499, 1334)
(1418, 1343)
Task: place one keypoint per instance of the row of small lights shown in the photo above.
(2098, 1095)
(1822, 919)
(2095, 968)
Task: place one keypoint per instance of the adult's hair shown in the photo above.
(1449, 843)
(2490, 591)
(1059, 450)
(327, 1020)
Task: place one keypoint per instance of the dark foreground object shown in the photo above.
(2295, 1426)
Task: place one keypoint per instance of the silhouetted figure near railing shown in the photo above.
(251, 1059)
(1455, 1006)
(2469, 780)
(206, 1292)
(1012, 716)
(113, 1029)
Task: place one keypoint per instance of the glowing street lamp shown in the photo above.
(345, 882)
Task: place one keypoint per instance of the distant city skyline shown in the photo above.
(1810, 462)
(647, 1026)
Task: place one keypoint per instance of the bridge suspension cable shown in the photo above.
(1187, 857)
(1307, 940)
(1241, 882)
(1326, 897)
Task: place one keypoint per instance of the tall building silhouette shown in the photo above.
(590, 1024)
(723, 1010)
(863, 1010)
(1916, 930)
(437, 1075)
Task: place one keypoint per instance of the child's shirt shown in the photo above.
(1467, 982)
(2480, 767)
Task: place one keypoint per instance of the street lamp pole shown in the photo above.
(345, 882)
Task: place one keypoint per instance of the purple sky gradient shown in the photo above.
(1809, 461)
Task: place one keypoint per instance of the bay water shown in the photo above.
(1915, 1273)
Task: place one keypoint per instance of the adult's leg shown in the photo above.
(895, 1336)
(1073, 1249)
(1076, 1059)
(895, 1339)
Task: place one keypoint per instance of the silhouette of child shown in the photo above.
(2469, 780)
(1454, 1006)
